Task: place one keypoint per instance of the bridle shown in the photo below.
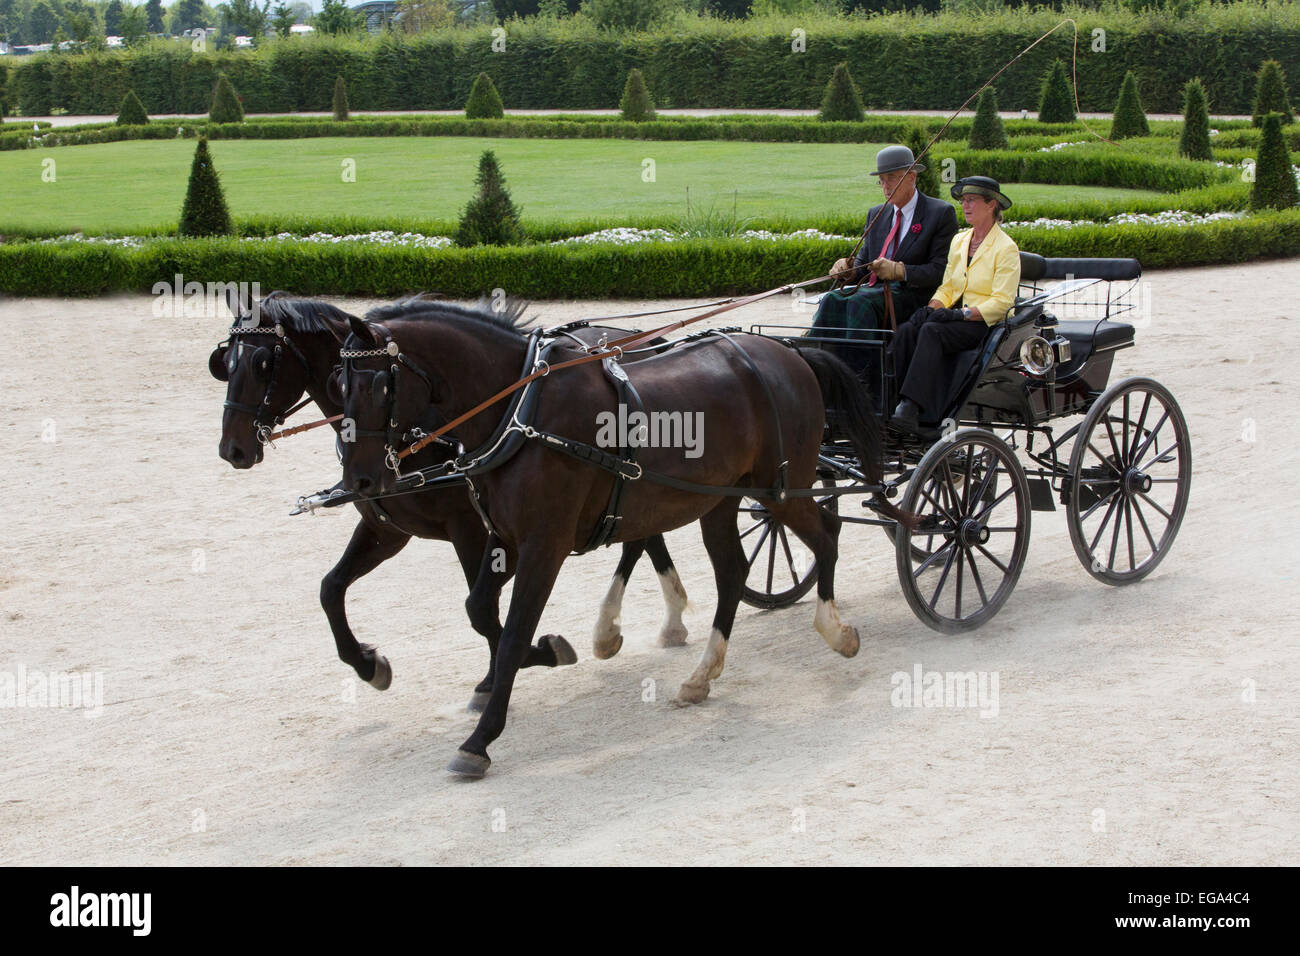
(392, 433)
(264, 420)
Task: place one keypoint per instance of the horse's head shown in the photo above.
(385, 394)
(265, 374)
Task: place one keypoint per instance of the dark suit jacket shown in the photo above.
(925, 253)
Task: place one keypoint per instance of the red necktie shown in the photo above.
(898, 221)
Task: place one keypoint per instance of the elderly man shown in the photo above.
(907, 247)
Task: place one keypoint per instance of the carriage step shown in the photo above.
(1040, 495)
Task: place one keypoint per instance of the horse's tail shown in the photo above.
(846, 397)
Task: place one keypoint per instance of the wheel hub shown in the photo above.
(972, 533)
(1136, 482)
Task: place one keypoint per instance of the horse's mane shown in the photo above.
(304, 316)
(509, 318)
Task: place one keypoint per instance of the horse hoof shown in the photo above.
(383, 678)
(468, 765)
(478, 703)
(674, 636)
(604, 651)
(563, 650)
(692, 693)
(850, 642)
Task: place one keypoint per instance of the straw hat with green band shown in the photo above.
(981, 186)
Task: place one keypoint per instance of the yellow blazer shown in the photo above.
(991, 282)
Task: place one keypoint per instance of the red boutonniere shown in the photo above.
(916, 227)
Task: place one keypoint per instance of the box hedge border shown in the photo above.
(643, 270)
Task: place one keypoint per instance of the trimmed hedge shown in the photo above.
(704, 267)
(1025, 134)
(699, 63)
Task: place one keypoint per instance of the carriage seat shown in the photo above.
(1034, 267)
(1087, 337)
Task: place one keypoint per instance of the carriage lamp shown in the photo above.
(1036, 355)
(1039, 356)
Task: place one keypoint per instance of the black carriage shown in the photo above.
(1122, 471)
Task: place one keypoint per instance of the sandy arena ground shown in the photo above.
(1154, 724)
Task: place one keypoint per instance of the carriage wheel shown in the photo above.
(1130, 473)
(924, 543)
(781, 568)
(961, 563)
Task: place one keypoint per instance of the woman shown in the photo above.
(978, 289)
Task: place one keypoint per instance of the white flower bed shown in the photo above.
(385, 237)
(130, 242)
(1055, 146)
(626, 236)
(622, 236)
(1170, 217)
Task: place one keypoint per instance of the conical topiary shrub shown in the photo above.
(205, 212)
(1271, 95)
(1130, 118)
(226, 107)
(132, 111)
(842, 101)
(636, 103)
(491, 217)
(987, 132)
(484, 100)
(340, 100)
(1275, 186)
(1056, 101)
(916, 139)
(1195, 140)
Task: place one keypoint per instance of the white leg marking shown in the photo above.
(673, 631)
(696, 687)
(842, 638)
(608, 636)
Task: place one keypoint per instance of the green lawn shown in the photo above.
(138, 186)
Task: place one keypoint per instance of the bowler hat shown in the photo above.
(981, 186)
(893, 159)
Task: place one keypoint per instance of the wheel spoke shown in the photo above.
(1162, 457)
(1142, 449)
(771, 556)
(979, 583)
(789, 558)
(943, 577)
(925, 493)
(953, 498)
(1114, 445)
(1114, 538)
(1145, 497)
(767, 529)
(961, 552)
(995, 502)
(933, 556)
(989, 472)
(965, 498)
(1104, 460)
(1097, 504)
(1126, 397)
(985, 551)
(1128, 529)
(1104, 521)
(1143, 521)
(757, 525)
(1137, 432)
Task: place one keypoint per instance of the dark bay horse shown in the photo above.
(761, 406)
(266, 373)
